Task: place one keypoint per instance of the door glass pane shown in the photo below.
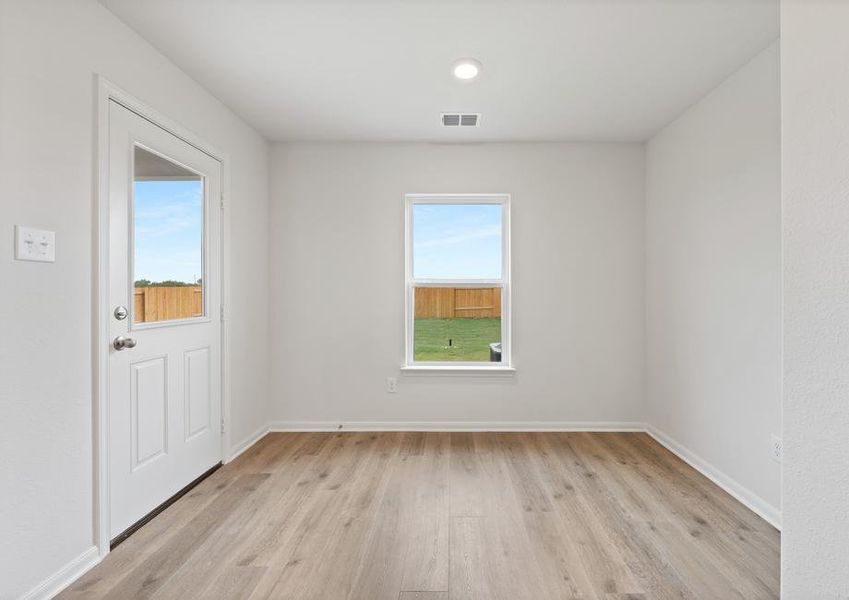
(167, 240)
(457, 324)
(457, 241)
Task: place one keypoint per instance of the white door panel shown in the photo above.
(164, 267)
(196, 374)
(149, 405)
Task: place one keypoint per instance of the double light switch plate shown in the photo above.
(35, 244)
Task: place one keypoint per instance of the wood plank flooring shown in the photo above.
(448, 516)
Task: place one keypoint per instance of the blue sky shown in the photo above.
(457, 241)
(168, 230)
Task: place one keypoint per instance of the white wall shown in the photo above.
(338, 231)
(713, 291)
(815, 178)
(49, 52)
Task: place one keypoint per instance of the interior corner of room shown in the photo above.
(396, 289)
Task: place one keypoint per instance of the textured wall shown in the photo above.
(815, 179)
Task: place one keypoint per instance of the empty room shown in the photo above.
(424, 299)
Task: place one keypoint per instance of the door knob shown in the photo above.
(122, 343)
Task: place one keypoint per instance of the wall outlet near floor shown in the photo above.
(776, 449)
(391, 384)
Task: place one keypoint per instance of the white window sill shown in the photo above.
(457, 370)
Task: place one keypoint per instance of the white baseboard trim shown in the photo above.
(242, 446)
(64, 576)
(749, 499)
(456, 426)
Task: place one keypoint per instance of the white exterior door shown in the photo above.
(164, 303)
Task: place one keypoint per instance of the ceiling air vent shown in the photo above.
(460, 119)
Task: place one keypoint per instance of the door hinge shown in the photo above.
(222, 425)
(222, 201)
(222, 313)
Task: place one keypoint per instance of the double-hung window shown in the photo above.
(458, 281)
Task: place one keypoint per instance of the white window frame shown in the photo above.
(506, 364)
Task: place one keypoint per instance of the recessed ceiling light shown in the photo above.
(467, 68)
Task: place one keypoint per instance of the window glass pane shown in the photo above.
(457, 324)
(167, 239)
(456, 241)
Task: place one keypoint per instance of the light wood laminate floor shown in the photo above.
(448, 516)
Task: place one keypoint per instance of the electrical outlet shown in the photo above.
(391, 384)
(776, 449)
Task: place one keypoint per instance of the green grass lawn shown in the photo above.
(470, 339)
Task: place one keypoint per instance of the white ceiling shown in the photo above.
(381, 69)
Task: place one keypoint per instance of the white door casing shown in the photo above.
(164, 394)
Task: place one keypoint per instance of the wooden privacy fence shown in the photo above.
(166, 303)
(450, 303)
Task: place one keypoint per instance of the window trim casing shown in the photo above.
(506, 364)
